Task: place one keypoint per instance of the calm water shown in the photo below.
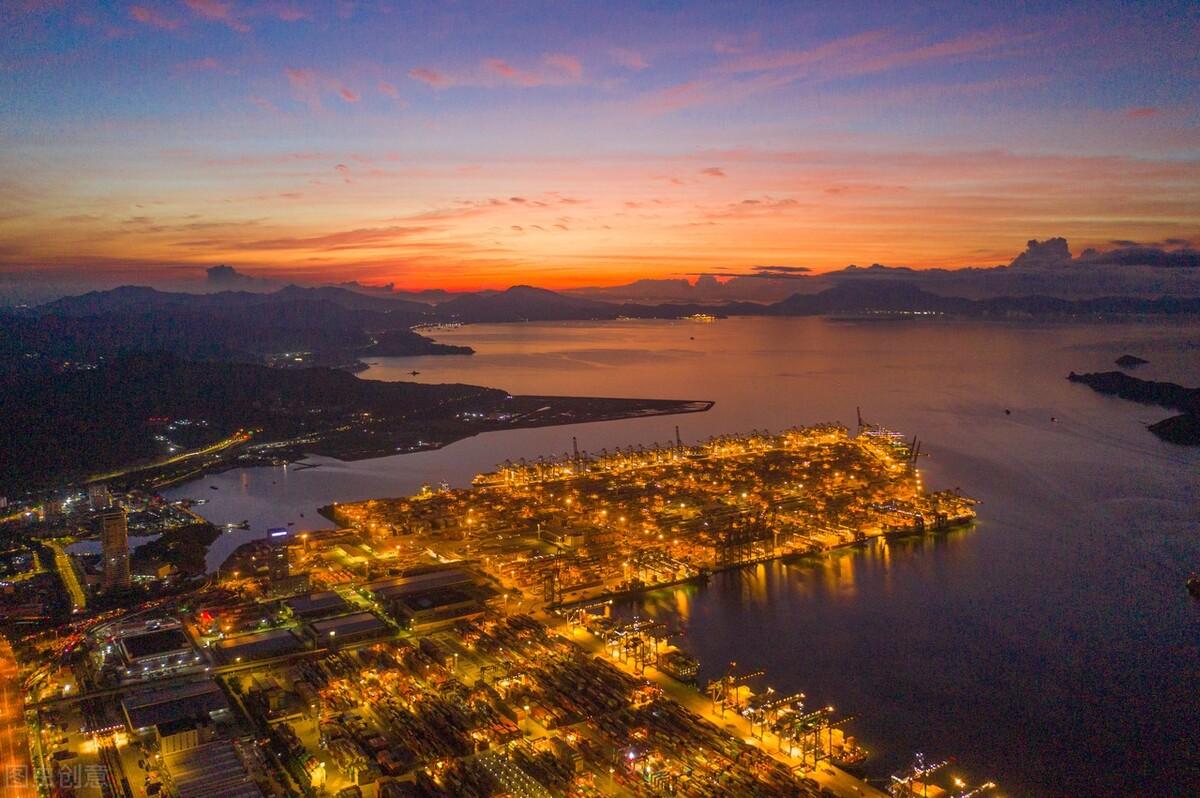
(1052, 648)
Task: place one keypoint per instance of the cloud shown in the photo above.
(361, 238)
(152, 17)
(866, 53)
(509, 73)
(289, 13)
(1144, 256)
(431, 77)
(630, 59)
(675, 98)
(389, 90)
(713, 171)
(1141, 113)
(737, 43)
(782, 269)
(568, 64)
(555, 69)
(308, 86)
(226, 277)
(198, 65)
(218, 11)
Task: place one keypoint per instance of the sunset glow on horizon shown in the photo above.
(463, 146)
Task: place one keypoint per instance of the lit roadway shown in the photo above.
(17, 770)
(66, 571)
(235, 439)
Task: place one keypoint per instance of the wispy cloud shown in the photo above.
(554, 69)
(567, 64)
(630, 59)
(153, 18)
(431, 77)
(309, 85)
(198, 65)
(218, 11)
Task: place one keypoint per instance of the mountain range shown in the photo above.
(337, 325)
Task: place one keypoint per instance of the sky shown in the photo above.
(464, 145)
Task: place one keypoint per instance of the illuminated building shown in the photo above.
(114, 541)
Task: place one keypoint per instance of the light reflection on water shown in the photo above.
(1052, 647)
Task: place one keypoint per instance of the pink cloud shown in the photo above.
(431, 77)
(713, 171)
(1142, 113)
(217, 11)
(509, 73)
(263, 103)
(630, 59)
(199, 65)
(308, 85)
(153, 18)
(871, 52)
(568, 64)
(289, 13)
(677, 97)
(389, 90)
(736, 44)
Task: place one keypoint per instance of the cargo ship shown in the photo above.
(680, 665)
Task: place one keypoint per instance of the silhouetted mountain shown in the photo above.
(334, 324)
(891, 296)
(867, 296)
(141, 298)
(522, 303)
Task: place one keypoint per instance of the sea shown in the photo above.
(1051, 648)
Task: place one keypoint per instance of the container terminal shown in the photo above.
(460, 642)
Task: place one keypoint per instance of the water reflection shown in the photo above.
(1052, 647)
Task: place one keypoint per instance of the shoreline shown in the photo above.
(705, 576)
(545, 411)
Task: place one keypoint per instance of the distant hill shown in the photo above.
(334, 324)
(141, 298)
(522, 303)
(53, 424)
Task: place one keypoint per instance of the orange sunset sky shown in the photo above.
(463, 146)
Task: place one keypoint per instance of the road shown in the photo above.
(70, 578)
(16, 770)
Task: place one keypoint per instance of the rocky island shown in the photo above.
(1183, 429)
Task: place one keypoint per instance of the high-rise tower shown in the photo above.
(114, 542)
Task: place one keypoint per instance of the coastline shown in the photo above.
(704, 576)
(521, 412)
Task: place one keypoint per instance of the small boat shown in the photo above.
(1007, 412)
(1193, 585)
(213, 487)
(414, 372)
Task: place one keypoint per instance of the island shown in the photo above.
(1130, 361)
(1183, 429)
